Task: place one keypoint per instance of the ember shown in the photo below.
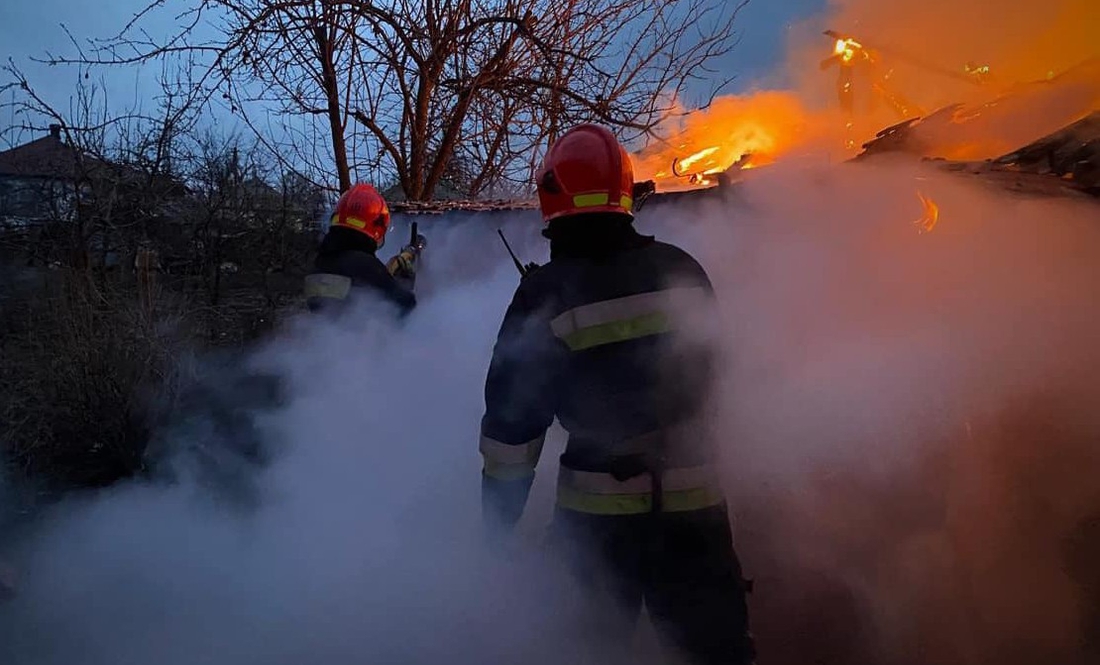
(930, 214)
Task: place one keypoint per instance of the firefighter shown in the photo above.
(593, 338)
(346, 264)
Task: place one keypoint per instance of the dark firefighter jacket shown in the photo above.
(590, 338)
(346, 265)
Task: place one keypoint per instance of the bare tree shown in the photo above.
(401, 87)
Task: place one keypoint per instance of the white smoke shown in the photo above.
(360, 541)
(910, 418)
(887, 510)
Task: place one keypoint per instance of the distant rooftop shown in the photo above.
(47, 157)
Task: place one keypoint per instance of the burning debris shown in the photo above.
(995, 127)
(735, 134)
(1072, 154)
(929, 216)
(851, 57)
(945, 84)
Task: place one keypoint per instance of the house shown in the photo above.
(45, 179)
(39, 180)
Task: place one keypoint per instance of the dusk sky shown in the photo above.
(30, 29)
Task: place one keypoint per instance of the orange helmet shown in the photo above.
(586, 170)
(362, 208)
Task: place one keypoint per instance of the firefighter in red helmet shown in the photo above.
(346, 264)
(603, 338)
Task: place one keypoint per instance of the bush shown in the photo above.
(81, 366)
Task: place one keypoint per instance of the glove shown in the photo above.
(404, 264)
(529, 269)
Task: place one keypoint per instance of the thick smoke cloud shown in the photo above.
(910, 418)
(906, 420)
(357, 541)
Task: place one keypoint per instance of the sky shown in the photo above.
(30, 29)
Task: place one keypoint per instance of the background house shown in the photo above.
(39, 180)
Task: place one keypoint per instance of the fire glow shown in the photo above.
(846, 49)
(991, 83)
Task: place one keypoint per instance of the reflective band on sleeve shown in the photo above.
(635, 504)
(324, 285)
(507, 461)
(622, 319)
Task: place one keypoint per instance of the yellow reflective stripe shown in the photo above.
(630, 317)
(590, 200)
(601, 199)
(683, 488)
(672, 501)
(349, 221)
(324, 285)
(618, 331)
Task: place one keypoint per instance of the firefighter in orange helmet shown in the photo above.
(346, 264)
(596, 338)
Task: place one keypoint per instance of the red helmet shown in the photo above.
(362, 208)
(586, 170)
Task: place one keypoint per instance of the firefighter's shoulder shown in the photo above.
(362, 266)
(677, 261)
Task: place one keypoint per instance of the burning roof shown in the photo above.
(1000, 109)
(996, 126)
(1065, 162)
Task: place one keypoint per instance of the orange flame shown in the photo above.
(846, 49)
(1007, 70)
(930, 214)
(686, 162)
(735, 133)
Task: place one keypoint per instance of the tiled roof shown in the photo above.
(51, 157)
(47, 157)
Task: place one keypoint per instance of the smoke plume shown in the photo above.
(350, 531)
(907, 421)
(909, 417)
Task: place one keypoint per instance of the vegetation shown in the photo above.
(149, 244)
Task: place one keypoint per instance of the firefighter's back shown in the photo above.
(632, 359)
